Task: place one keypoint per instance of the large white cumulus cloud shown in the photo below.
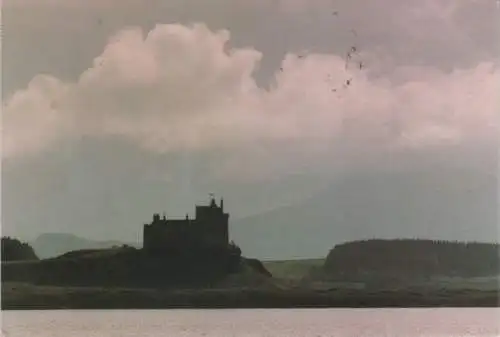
(178, 88)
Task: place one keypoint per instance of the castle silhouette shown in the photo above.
(209, 228)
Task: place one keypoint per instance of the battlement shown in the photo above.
(208, 228)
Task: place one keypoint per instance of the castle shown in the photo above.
(209, 228)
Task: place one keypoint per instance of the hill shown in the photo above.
(293, 269)
(414, 258)
(130, 267)
(126, 277)
(15, 250)
(434, 203)
(54, 244)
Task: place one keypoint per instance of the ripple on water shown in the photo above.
(461, 322)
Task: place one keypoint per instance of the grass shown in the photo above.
(245, 289)
(292, 269)
(126, 267)
(25, 296)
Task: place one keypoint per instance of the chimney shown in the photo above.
(222, 204)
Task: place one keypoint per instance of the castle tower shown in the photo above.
(208, 228)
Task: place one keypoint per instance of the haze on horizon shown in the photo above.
(114, 110)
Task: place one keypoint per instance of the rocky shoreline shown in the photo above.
(33, 297)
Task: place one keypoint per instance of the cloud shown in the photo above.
(32, 119)
(72, 33)
(180, 88)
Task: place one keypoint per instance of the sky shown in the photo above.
(115, 109)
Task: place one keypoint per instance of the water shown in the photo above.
(261, 323)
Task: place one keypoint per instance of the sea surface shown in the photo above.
(257, 322)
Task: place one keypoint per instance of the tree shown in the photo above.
(15, 250)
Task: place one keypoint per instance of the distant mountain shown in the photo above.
(436, 203)
(54, 244)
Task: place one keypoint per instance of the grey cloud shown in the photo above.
(72, 34)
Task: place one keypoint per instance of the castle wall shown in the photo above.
(211, 226)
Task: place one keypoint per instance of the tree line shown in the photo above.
(415, 257)
(15, 250)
